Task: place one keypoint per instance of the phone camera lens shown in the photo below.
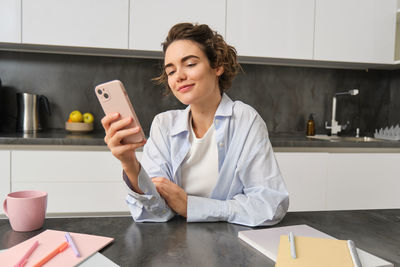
(99, 92)
(105, 95)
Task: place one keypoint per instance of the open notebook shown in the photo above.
(312, 251)
(96, 260)
(51, 239)
(267, 242)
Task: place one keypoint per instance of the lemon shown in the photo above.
(76, 116)
(88, 117)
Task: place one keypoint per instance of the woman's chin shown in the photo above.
(185, 99)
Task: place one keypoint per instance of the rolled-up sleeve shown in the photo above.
(149, 207)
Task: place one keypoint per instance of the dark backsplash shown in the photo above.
(284, 96)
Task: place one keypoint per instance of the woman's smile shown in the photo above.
(185, 88)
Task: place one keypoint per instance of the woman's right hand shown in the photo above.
(114, 135)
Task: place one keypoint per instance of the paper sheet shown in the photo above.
(50, 240)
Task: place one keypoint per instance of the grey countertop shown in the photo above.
(177, 243)
(286, 140)
(53, 137)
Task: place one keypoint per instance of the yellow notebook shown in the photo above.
(313, 251)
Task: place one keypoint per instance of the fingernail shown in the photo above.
(115, 115)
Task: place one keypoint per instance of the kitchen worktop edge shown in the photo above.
(280, 142)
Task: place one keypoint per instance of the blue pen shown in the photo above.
(72, 244)
(292, 245)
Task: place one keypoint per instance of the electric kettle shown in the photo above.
(28, 111)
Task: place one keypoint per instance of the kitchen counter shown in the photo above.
(53, 137)
(280, 142)
(177, 243)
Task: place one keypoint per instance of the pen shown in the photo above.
(72, 244)
(292, 246)
(353, 253)
(60, 249)
(24, 259)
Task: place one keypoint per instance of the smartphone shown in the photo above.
(113, 98)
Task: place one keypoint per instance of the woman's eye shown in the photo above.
(191, 64)
(169, 73)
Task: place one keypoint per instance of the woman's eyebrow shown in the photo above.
(188, 57)
(182, 60)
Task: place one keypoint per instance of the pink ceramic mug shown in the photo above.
(26, 210)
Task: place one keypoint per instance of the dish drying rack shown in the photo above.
(392, 133)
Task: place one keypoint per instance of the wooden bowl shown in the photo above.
(78, 127)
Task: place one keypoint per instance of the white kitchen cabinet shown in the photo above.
(76, 181)
(268, 28)
(341, 181)
(86, 23)
(305, 177)
(355, 30)
(397, 35)
(82, 197)
(4, 176)
(150, 20)
(91, 181)
(363, 181)
(10, 21)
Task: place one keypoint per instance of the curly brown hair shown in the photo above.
(218, 52)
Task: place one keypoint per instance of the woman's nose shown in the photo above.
(180, 75)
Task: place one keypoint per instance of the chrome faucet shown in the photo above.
(335, 127)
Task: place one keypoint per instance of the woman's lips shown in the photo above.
(185, 88)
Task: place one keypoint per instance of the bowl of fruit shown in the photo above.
(78, 123)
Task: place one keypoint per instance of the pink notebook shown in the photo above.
(50, 240)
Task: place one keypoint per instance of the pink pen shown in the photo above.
(24, 259)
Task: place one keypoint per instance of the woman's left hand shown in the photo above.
(173, 194)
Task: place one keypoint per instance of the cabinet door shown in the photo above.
(10, 21)
(268, 28)
(305, 178)
(64, 166)
(82, 197)
(88, 23)
(76, 181)
(355, 30)
(363, 181)
(150, 20)
(4, 176)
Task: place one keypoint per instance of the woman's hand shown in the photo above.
(124, 152)
(114, 135)
(173, 194)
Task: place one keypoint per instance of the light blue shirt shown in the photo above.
(250, 189)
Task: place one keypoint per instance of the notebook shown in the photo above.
(312, 251)
(96, 260)
(50, 240)
(267, 242)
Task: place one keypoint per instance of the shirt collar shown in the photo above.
(182, 122)
(225, 107)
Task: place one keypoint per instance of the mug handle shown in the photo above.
(5, 207)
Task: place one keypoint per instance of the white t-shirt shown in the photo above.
(200, 166)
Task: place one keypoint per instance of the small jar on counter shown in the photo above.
(310, 125)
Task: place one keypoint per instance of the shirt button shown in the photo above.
(221, 144)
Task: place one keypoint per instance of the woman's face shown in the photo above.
(190, 76)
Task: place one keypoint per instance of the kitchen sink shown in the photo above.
(335, 138)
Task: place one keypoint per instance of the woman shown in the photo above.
(212, 161)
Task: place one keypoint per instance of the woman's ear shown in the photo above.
(219, 70)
